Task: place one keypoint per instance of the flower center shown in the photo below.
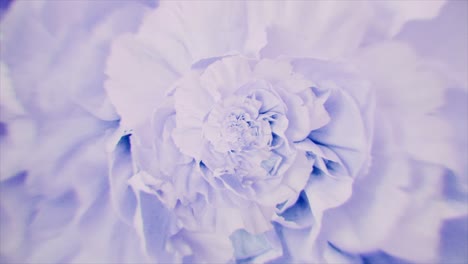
(234, 126)
(239, 131)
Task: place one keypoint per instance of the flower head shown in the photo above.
(238, 137)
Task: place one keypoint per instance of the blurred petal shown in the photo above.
(329, 30)
(404, 12)
(76, 43)
(454, 240)
(441, 40)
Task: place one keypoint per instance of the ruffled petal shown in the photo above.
(345, 134)
(224, 77)
(255, 248)
(349, 103)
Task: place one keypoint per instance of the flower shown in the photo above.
(295, 132)
(223, 124)
(230, 135)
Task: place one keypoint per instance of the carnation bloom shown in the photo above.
(232, 147)
(252, 138)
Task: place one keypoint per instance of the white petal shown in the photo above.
(138, 80)
(190, 141)
(407, 11)
(226, 76)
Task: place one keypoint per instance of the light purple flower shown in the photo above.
(231, 147)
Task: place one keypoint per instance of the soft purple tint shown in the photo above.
(233, 131)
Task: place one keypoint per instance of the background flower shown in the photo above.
(54, 204)
(50, 202)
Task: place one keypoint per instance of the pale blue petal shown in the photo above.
(121, 170)
(248, 246)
